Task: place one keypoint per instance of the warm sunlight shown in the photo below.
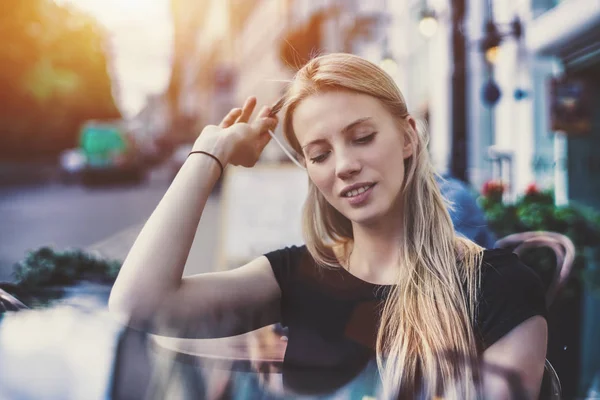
(114, 4)
(113, 10)
(137, 68)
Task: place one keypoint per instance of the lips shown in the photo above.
(356, 189)
(359, 197)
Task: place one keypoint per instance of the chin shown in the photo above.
(365, 215)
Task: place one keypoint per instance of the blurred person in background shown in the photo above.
(383, 277)
(468, 218)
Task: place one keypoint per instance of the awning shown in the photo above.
(570, 31)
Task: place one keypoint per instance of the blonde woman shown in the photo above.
(382, 274)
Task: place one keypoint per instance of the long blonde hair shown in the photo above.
(425, 340)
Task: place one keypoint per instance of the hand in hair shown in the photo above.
(240, 142)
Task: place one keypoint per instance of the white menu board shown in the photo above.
(261, 211)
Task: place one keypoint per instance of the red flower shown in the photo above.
(493, 188)
(532, 190)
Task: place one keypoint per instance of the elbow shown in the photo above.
(119, 308)
(115, 303)
(129, 317)
(136, 312)
(126, 310)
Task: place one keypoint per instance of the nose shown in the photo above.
(346, 165)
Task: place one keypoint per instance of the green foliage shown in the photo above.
(536, 211)
(53, 76)
(46, 267)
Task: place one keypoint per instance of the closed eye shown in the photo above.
(360, 141)
(319, 159)
(365, 139)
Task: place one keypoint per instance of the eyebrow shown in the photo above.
(345, 130)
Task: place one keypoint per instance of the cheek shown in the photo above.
(322, 180)
(391, 157)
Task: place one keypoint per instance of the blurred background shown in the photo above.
(100, 101)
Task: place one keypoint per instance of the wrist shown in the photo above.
(219, 145)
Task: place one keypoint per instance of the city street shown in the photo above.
(106, 220)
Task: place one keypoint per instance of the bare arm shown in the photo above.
(219, 304)
(149, 286)
(513, 367)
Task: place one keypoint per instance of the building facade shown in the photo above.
(253, 50)
(542, 126)
(558, 44)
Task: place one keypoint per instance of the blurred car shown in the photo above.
(64, 351)
(73, 348)
(110, 154)
(71, 164)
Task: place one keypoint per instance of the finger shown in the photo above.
(247, 109)
(231, 117)
(267, 124)
(261, 126)
(264, 112)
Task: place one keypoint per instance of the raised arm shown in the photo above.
(149, 289)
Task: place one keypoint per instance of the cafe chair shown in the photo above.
(564, 251)
(561, 245)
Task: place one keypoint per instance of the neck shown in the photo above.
(375, 251)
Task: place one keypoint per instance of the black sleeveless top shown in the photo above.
(332, 315)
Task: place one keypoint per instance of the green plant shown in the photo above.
(535, 210)
(46, 267)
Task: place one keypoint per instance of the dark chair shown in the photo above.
(565, 255)
(561, 245)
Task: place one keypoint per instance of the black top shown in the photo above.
(332, 315)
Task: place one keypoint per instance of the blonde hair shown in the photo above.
(425, 340)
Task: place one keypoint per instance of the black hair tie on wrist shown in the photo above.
(210, 155)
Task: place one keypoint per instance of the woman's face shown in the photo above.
(354, 151)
